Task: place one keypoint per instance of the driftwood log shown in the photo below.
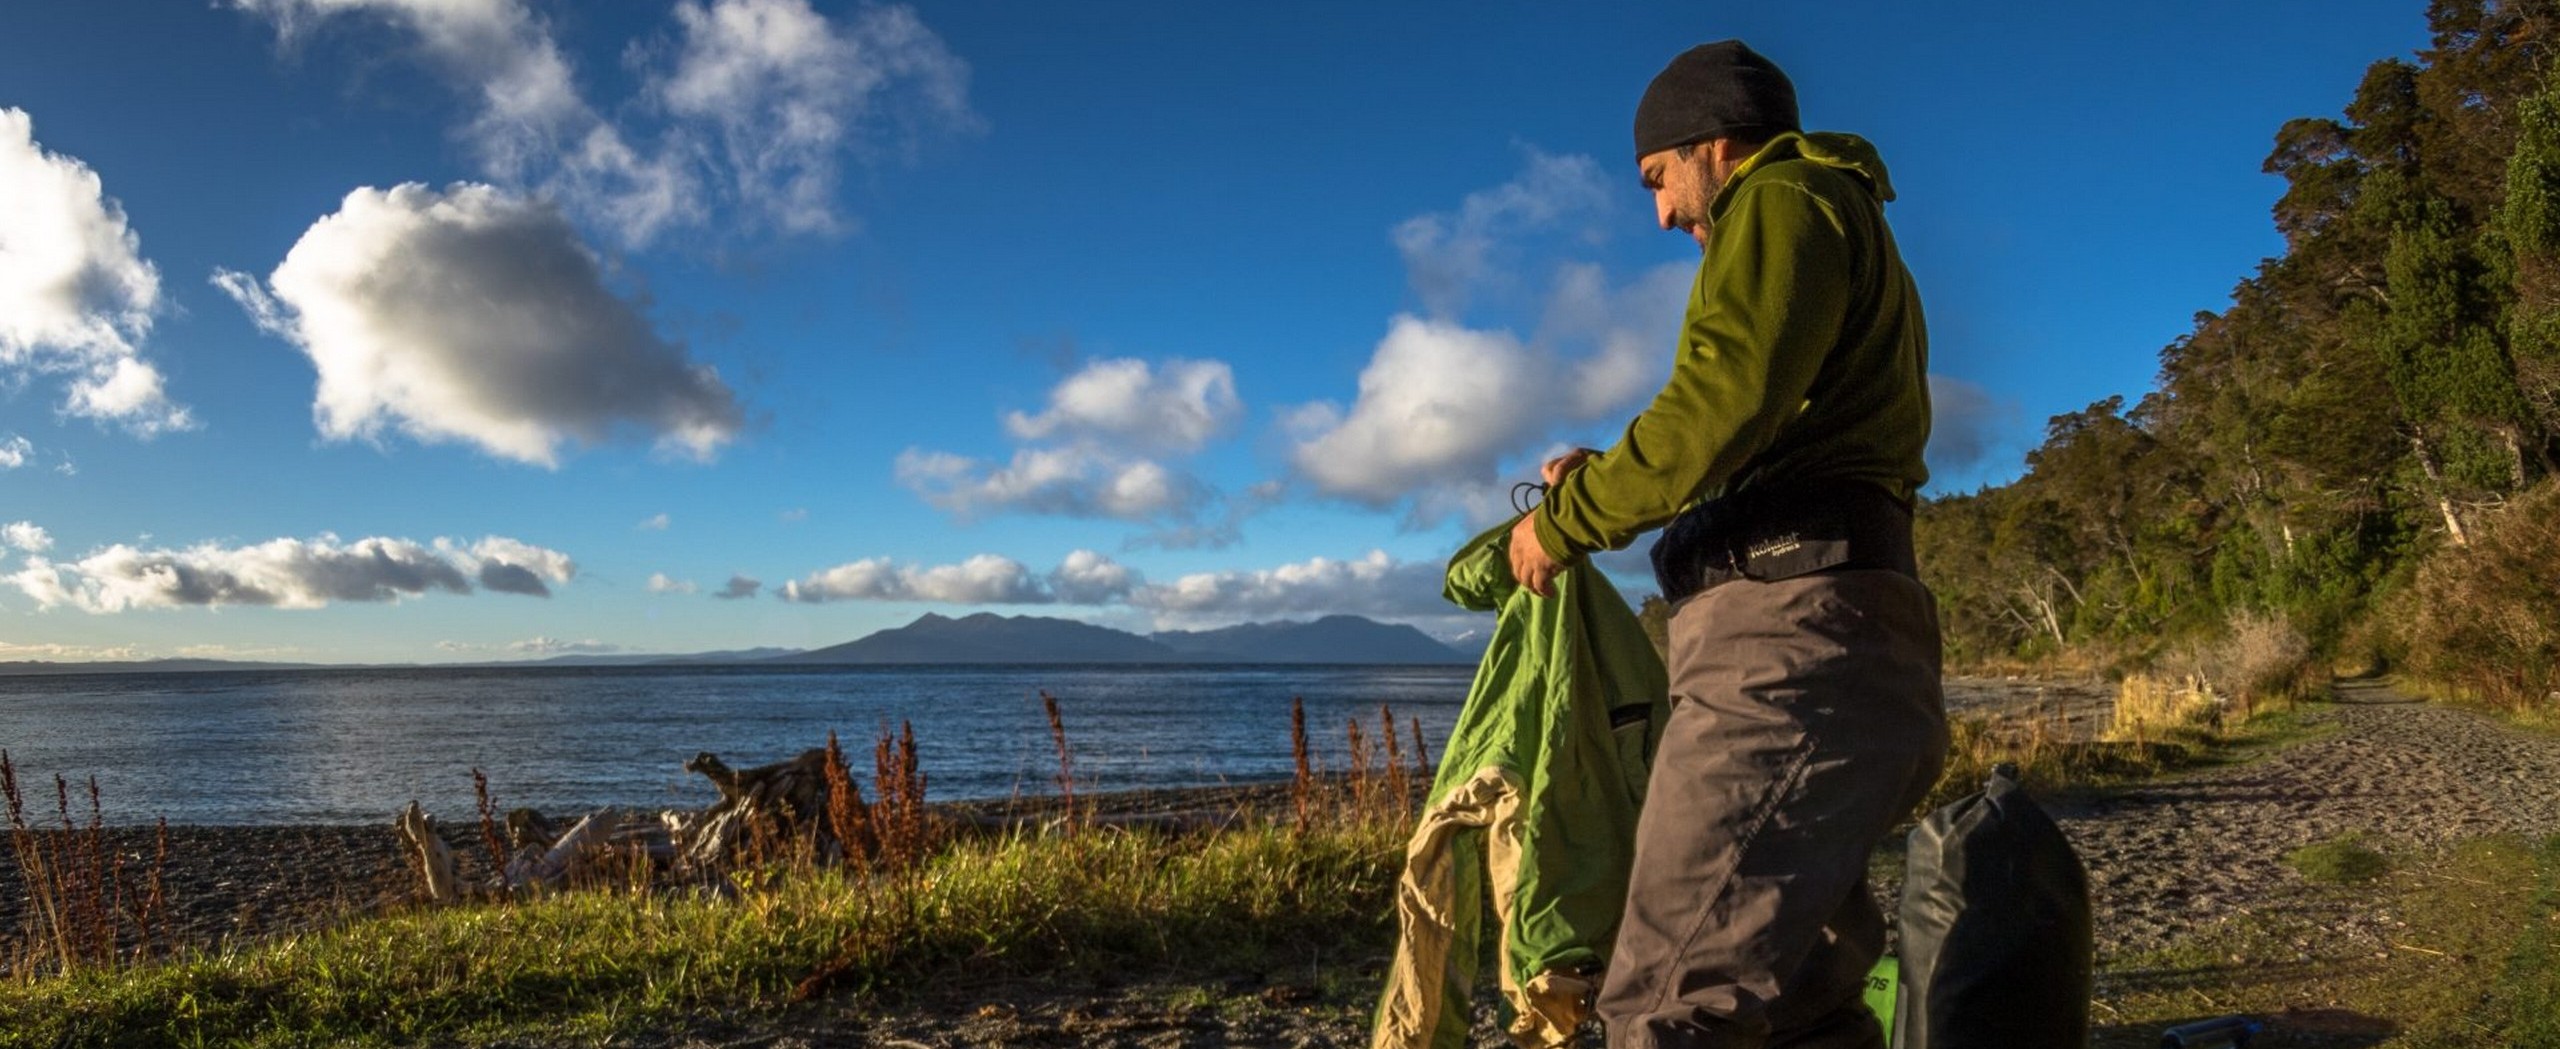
(770, 806)
(435, 859)
(783, 801)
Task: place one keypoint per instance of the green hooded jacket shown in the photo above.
(1534, 806)
(1803, 356)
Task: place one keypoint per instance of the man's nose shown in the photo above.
(1662, 213)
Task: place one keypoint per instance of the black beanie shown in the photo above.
(1719, 90)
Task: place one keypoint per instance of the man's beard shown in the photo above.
(1703, 226)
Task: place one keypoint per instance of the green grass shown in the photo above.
(590, 964)
(2344, 860)
(2474, 961)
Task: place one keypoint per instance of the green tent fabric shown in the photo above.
(1534, 807)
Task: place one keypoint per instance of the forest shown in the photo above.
(2353, 465)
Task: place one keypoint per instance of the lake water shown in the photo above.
(353, 746)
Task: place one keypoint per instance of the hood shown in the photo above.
(1479, 578)
(1829, 148)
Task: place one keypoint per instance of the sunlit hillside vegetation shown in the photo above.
(2360, 448)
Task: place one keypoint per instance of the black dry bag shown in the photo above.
(1996, 948)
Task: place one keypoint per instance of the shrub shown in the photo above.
(2484, 620)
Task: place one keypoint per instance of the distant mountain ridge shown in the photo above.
(1332, 639)
(992, 639)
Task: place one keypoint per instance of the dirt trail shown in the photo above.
(2180, 855)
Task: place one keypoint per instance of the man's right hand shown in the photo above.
(1555, 469)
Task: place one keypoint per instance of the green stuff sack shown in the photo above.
(1533, 809)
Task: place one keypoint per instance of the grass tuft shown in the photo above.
(2344, 860)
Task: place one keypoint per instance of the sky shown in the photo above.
(466, 330)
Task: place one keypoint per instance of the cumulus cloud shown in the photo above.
(68, 653)
(76, 295)
(1073, 481)
(1438, 401)
(661, 583)
(1083, 577)
(653, 523)
(737, 587)
(1089, 578)
(15, 452)
(1445, 405)
(1968, 425)
(761, 101)
(550, 646)
(1376, 585)
(478, 316)
(1127, 403)
(26, 536)
(288, 573)
(1098, 450)
(1448, 255)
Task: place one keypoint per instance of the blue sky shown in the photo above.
(390, 330)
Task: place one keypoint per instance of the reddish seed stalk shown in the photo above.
(489, 825)
(1301, 788)
(1421, 754)
(1066, 757)
(846, 812)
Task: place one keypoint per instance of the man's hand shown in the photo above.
(1555, 469)
(1529, 561)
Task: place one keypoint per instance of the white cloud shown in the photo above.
(1376, 585)
(660, 583)
(795, 515)
(288, 573)
(1089, 578)
(653, 523)
(1447, 410)
(478, 316)
(1438, 403)
(1083, 577)
(15, 452)
(68, 653)
(1125, 403)
(783, 90)
(26, 536)
(1102, 442)
(763, 99)
(986, 579)
(549, 646)
(1073, 481)
(509, 566)
(1448, 256)
(737, 587)
(76, 295)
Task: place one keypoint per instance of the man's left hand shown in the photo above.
(1529, 561)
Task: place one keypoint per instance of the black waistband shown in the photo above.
(1783, 532)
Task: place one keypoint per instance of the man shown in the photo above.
(1783, 455)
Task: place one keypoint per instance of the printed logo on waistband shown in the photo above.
(1774, 546)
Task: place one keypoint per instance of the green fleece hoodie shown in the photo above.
(1803, 357)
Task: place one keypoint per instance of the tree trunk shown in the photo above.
(2435, 480)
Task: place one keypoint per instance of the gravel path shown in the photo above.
(2183, 854)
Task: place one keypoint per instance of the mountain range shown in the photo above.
(990, 638)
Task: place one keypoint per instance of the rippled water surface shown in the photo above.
(352, 746)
